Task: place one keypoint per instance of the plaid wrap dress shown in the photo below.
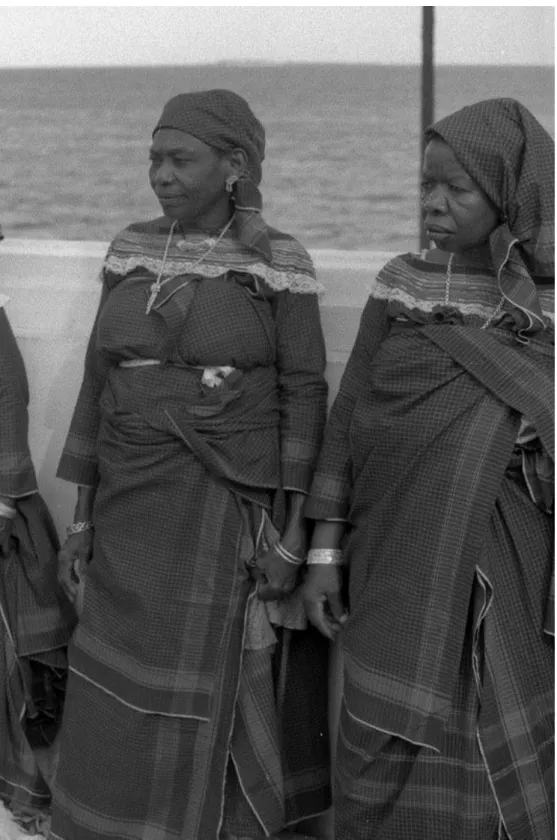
(163, 695)
(446, 726)
(36, 620)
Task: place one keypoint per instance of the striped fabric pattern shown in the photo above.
(420, 284)
(142, 245)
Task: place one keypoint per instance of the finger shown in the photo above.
(78, 603)
(67, 590)
(337, 608)
(268, 592)
(257, 574)
(316, 615)
(68, 586)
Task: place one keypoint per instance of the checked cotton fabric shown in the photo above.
(447, 721)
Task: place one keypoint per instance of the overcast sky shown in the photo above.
(34, 36)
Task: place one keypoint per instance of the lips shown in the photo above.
(171, 199)
(436, 229)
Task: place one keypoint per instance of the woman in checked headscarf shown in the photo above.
(439, 457)
(196, 703)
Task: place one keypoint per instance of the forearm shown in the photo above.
(328, 534)
(295, 503)
(302, 388)
(85, 503)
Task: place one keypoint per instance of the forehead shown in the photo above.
(440, 158)
(171, 140)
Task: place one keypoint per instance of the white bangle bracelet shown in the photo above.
(7, 512)
(325, 557)
(78, 527)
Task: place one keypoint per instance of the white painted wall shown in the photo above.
(53, 291)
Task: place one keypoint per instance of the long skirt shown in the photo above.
(167, 685)
(36, 622)
(492, 778)
(388, 788)
(125, 774)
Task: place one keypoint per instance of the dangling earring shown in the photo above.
(229, 183)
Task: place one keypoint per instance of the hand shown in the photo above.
(276, 577)
(5, 535)
(321, 594)
(73, 558)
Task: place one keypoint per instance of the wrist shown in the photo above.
(295, 559)
(7, 511)
(326, 557)
(295, 504)
(79, 527)
(85, 503)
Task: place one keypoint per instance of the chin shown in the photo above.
(172, 213)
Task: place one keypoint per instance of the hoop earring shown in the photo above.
(229, 183)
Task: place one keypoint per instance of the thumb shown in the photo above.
(336, 606)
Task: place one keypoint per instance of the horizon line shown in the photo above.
(264, 63)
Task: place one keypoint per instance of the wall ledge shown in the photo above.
(324, 257)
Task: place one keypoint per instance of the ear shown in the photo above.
(236, 162)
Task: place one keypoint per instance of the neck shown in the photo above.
(480, 256)
(208, 223)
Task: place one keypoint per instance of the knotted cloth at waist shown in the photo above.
(228, 418)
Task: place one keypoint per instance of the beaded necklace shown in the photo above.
(159, 282)
(448, 279)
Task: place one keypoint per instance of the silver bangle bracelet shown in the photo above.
(78, 527)
(286, 555)
(325, 557)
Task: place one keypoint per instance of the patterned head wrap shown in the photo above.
(224, 121)
(510, 155)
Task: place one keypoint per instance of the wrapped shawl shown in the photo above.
(510, 155)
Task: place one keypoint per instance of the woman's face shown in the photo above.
(188, 178)
(458, 215)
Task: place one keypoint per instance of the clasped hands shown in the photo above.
(73, 559)
(321, 588)
(277, 577)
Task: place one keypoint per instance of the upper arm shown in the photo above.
(373, 329)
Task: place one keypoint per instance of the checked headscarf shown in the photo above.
(223, 120)
(512, 157)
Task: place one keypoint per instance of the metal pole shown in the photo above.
(427, 91)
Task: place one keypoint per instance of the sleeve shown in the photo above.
(17, 475)
(78, 462)
(302, 386)
(331, 489)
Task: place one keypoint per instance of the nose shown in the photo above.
(435, 201)
(164, 173)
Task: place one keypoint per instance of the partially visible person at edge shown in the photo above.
(196, 705)
(36, 620)
(437, 469)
